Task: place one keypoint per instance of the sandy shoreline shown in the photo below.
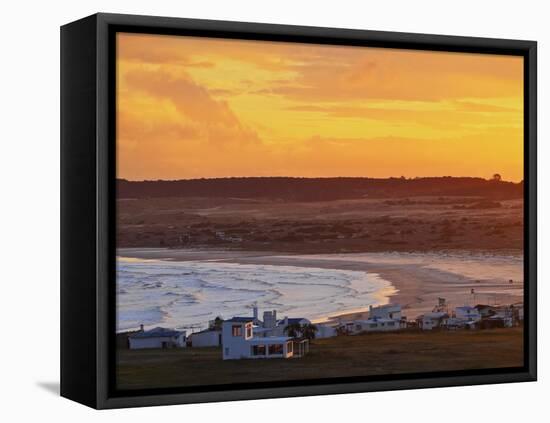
(419, 279)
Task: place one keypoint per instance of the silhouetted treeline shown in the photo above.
(320, 189)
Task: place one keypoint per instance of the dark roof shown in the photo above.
(292, 321)
(241, 319)
(156, 332)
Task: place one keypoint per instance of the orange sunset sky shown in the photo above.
(192, 107)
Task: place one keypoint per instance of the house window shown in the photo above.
(391, 323)
(237, 330)
(373, 325)
(227, 351)
(258, 350)
(276, 349)
(249, 331)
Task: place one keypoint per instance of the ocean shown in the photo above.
(187, 294)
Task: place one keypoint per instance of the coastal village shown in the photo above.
(249, 337)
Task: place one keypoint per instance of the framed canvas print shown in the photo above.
(257, 211)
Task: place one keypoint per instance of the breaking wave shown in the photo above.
(189, 294)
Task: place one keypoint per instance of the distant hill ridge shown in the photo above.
(320, 189)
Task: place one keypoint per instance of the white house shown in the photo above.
(325, 331)
(157, 338)
(381, 319)
(372, 325)
(518, 311)
(453, 323)
(293, 321)
(485, 310)
(206, 338)
(435, 319)
(507, 314)
(271, 326)
(387, 311)
(279, 329)
(467, 313)
(238, 341)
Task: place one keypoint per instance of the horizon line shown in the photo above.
(316, 177)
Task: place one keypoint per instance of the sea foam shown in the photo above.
(190, 293)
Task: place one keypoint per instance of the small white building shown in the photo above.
(485, 310)
(467, 313)
(382, 318)
(157, 338)
(372, 325)
(387, 311)
(508, 315)
(206, 338)
(453, 323)
(239, 342)
(518, 311)
(325, 331)
(272, 327)
(293, 321)
(433, 320)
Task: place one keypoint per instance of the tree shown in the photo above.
(309, 330)
(294, 330)
(341, 330)
(217, 323)
(497, 177)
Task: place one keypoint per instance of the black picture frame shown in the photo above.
(88, 208)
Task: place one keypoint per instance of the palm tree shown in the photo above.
(217, 323)
(309, 330)
(294, 330)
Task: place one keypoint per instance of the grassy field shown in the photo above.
(363, 355)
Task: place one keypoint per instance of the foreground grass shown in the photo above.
(363, 355)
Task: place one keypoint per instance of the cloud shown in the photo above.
(200, 107)
(310, 72)
(133, 126)
(441, 114)
(169, 125)
(470, 106)
(212, 118)
(202, 51)
(141, 48)
(373, 74)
